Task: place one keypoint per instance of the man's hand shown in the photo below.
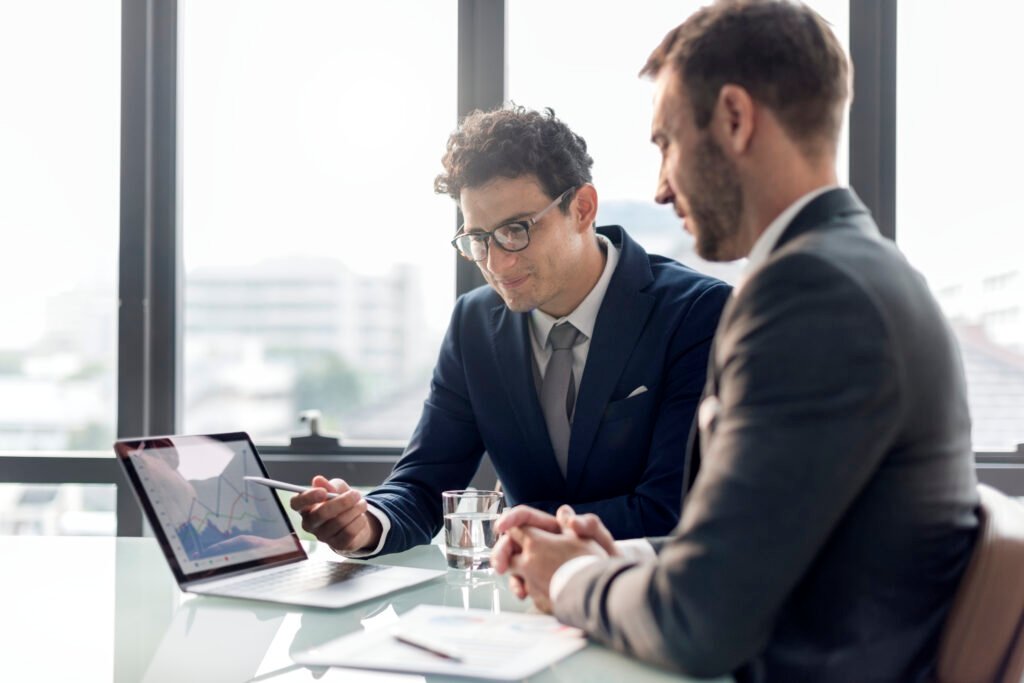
(586, 527)
(541, 554)
(343, 522)
(505, 548)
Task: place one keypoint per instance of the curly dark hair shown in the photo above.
(513, 142)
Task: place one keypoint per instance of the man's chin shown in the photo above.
(718, 252)
(716, 249)
(516, 304)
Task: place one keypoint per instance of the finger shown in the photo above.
(521, 537)
(523, 515)
(332, 485)
(302, 501)
(354, 528)
(519, 564)
(327, 512)
(564, 515)
(345, 518)
(502, 552)
(590, 526)
(517, 586)
(346, 537)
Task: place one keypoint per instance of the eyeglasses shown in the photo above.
(512, 236)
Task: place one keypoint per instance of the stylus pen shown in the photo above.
(285, 486)
(427, 645)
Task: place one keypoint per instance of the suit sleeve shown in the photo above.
(809, 400)
(443, 453)
(652, 507)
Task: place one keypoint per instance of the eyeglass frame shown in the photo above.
(525, 223)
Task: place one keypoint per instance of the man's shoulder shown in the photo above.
(849, 254)
(674, 283)
(668, 275)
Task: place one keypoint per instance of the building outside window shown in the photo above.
(317, 269)
(59, 172)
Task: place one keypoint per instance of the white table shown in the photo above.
(107, 609)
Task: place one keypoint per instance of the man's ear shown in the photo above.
(733, 119)
(584, 206)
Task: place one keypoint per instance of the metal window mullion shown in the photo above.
(873, 112)
(148, 252)
(481, 85)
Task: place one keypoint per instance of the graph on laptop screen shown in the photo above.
(211, 516)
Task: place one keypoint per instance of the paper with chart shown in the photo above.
(501, 646)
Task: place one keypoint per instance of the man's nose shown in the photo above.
(663, 192)
(498, 259)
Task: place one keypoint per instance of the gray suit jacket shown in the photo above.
(834, 511)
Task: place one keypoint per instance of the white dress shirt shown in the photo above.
(582, 318)
(638, 548)
(770, 237)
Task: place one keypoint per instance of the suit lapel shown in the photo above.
(697, 436)
(823, 209)
(514, 358)
(619, 324)
(838, 203)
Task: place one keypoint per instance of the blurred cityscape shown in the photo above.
(266, 342)
(263, 343)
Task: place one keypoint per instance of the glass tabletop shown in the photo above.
(108, 609)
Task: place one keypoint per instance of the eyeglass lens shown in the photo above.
(513, 237)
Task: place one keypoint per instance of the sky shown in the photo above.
(315, 129)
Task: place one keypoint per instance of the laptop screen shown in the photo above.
(208, 519)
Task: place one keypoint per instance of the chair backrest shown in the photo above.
(983, 639)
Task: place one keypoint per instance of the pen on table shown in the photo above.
(427, 645)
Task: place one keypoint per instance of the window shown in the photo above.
(59, 165)
(59, 134)
(317, 267)
(588, 75)
(958, 178)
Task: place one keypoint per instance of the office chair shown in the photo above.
(983, 639)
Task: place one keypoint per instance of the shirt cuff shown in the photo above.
(385, 527)
(637, 549)
(564, 574)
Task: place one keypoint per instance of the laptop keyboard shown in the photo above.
(306, 576)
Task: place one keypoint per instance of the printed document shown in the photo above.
(478, 643)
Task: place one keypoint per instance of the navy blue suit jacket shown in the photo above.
(626, 454)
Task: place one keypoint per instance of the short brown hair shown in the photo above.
(781, 52)
(513, 142)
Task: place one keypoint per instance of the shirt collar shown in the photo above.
(769, 238)
(584, 317)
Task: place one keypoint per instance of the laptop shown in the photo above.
(222, 535)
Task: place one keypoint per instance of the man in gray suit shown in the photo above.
(833, 515)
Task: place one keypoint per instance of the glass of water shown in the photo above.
(469, 517)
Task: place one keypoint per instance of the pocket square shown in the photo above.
(636, 392)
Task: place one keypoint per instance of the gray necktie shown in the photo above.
(558, 390)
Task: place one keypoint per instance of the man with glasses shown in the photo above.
(577, 370)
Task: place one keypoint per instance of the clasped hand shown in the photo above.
(534, 544)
